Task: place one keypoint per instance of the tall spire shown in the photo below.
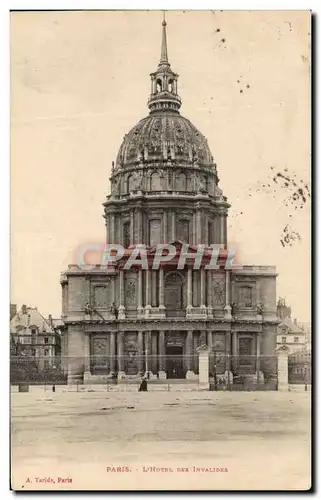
(164, 96)
(164, 56)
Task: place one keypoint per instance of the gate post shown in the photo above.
(203, 367)
(283, 370)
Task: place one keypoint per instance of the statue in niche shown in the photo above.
(87, 309)
(200, 183)
(233, 309)
(259, 309)
(136, 180)
(115, 187)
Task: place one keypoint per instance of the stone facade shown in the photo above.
(164, 189)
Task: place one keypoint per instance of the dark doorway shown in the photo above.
(174, 362)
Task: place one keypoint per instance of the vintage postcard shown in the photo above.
(160, 327)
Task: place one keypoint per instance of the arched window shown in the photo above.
(158, 85)
(129, 184)
(180, 182)
(174, 293)
(170, 86)
(155, 182)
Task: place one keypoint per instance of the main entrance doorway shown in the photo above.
(174, 362)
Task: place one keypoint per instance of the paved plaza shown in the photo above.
(161, 440)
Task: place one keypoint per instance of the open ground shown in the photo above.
(160, 440)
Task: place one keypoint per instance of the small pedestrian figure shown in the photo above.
(143, 385)
(54, 388)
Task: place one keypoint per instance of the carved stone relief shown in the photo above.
(218, 289)
(115, 187)
(100, 352)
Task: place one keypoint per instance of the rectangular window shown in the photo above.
(296, 339)
(183, 230)
(283, 340)
(245, 296)
(46, 340)
(154, 231)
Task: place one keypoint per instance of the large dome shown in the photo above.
(161, 136)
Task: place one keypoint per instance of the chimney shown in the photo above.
(50, 321)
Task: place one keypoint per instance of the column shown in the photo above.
(121, 308)
(228, 351)
(153, 288)
(87, 354)
(147, 351)
(189, 290)
(140, 226)
(173, 226)
(209, 340)
(165, 235)
(161, 289)
(209, 294)
(199, 226)
(112, 229)
(132, 227)
(140, 347)
(210, 349)
(228, 373)
(222, 229)
(234, 353)
(258, 354)
(147, 292)
(120, 355)
(140, 293)
(203, 306)
(206, 230)
(227, 308)
(161, 354)
(194, 239)
(189, 355)
(154, 352)
(112, 352)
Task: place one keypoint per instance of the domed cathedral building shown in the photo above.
(126, 322)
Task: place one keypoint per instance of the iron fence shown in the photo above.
(225, 372)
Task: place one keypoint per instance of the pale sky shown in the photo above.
(80, 81)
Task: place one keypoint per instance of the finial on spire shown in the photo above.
(164, 56)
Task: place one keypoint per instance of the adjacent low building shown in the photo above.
(35, 337)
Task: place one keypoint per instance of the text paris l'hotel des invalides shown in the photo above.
(128, 322)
